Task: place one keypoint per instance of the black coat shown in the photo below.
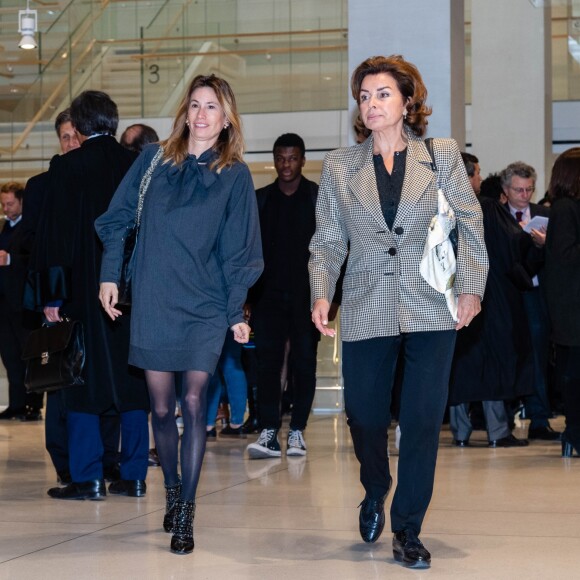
(561, 276)
(65, 266)
(493, 356)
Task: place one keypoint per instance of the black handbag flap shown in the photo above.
(49, 339)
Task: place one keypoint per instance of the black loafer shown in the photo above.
(409, 551)
(371, 519)
(461, 442)
(509, 441)
(130, 487)
(94, 489)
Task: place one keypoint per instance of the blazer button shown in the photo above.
(399, 230)
(392, 251)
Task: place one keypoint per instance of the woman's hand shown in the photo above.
(468, 307)
(241, 332)
(109, 295)
(320, 317)
(52, 313)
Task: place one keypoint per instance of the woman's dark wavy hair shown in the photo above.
(94, 112)
(409, 82)
(565, 179)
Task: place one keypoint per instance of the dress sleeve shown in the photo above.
(329, 244)
(240, 244)
(472, 260)
(112, 226)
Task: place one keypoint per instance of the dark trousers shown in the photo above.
(537, 405)
(86, 446)
(12, 337)
(568, 365)
(368, 368)
(56, 434)
(275, 320)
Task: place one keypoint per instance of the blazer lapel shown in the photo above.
(363, 183)
(418, 176)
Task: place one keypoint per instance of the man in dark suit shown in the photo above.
(519, 184)
(280, 301)
(12, 331)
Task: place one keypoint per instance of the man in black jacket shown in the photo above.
(280, 300)
(518, 181)
(65, 267)
(12, 330)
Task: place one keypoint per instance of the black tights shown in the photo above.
(193, 409)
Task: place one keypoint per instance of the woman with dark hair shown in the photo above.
(376, 201)
(198, 252)
(561, 281)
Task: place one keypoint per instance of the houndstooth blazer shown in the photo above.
(383, 291)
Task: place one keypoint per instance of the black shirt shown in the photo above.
(390, 185)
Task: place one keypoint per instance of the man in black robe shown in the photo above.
(65, 277)
(493, 361)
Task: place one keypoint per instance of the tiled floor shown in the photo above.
(496, 514)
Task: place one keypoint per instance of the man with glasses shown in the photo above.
(519, 184)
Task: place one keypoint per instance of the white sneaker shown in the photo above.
(267, 445)
(296, 443)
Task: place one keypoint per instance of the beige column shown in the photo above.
(511, 86)
(430, 34)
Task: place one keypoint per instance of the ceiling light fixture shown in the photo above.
(27, 26)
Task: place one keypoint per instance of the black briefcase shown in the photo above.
(54, 356)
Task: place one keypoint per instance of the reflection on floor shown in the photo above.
(496, 514)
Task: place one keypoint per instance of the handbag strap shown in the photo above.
(145, 181)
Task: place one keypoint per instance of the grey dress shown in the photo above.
(198, 252)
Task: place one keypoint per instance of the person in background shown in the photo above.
(492, 362)
(65, 264)
(280, 301)
(562, 287)
(519, 184)
(197, 253)
(376, 202)
(136, 136)
(13, 333)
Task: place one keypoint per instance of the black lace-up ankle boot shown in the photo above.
(172, 493)
(182, 539)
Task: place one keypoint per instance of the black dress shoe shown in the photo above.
(211, 434)
(544, 434)
(509, 441)
(408, 549)
(94, 489)
(229, 431)
(461, 442)
(112, 473)
(130, 487)
(10, 413)
(371, 519)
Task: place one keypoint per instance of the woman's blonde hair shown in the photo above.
(230, 143)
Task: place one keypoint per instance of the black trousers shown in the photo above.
(568, 365)
(12, 337)
(275, 319)
(368, 368)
